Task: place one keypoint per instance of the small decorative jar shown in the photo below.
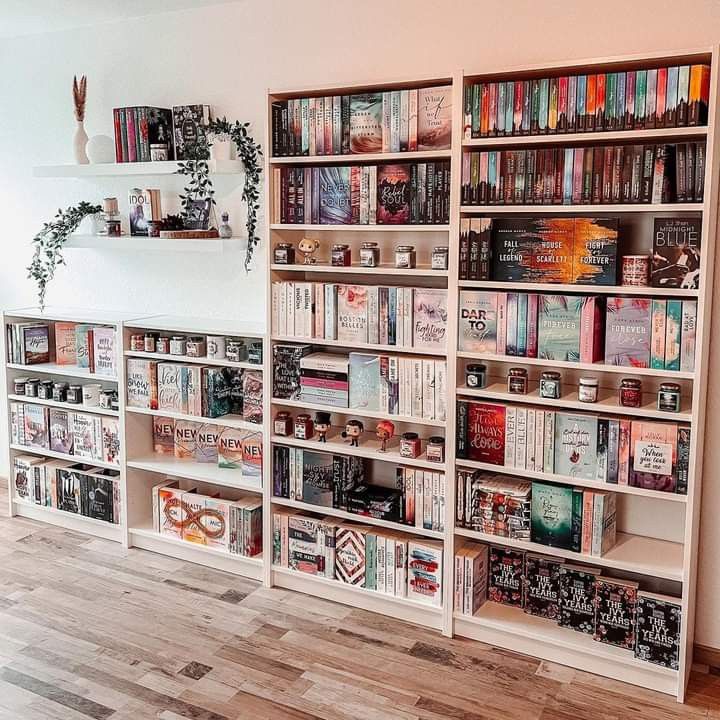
(405, 257)
(158, 152)
(439, 258)
(369, 254)
(137, 343)
(19, 385)
(91, 394)
(435, 449)
(517, 381)
(588, 389)
(669, 396)
(216, 347)
(340, 255)
(154, 227)
(283, 424)
(635, 270)
(74, 394)
(45, 390)
(476, 375)
(59, 393)
(178, 345)
(630, 392)
(255, 353)
(284, 254)
(304, 427)
(550, 385)
(162, 345)
(235, 350)
(410, 446)
(150, 342)
(31, 387)
(106, 399)
(195, 347)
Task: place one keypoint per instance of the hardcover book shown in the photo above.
(477, 322)
(305, 554)
(615, 612)
(189, 131)
(65, 343)
(61, 431)
(142, 383)
(110, 427)
(552, 512)
(230, 448)
(424, 571)
(430, 318)
(577, 598)
(317, 478)
(350, 555)
(653, 455)
(505, 581)
(559, 324)
(335, 197)
(542, 586)
(595, 251)
(434, 119)
(486, 433)
(576, 445)
(676, 253)
(393, 195)
(659, 619)
(163, 435)
(36, 344)
(627, 331)
(366, 123)
(352, 314)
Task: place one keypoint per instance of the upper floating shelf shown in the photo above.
(162, 167)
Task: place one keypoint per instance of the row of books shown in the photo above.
(576, 519)
(400, 194)
(382, 561)
(613, 611)
(233, 526)
(226, 447)
(574, 250)
(197, 390)
(393, 121)
(632, 332)
(83, 435)
(628, 174)
(360, 314)
(398, 385)
(71, 487)
(339, 481)
(84, 346)
(639, 453)
(179, 133)
(663, 97)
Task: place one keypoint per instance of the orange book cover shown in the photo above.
(65, 343)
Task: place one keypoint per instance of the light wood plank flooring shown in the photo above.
(88, 630)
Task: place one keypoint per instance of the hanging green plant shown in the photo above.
(49, 243)
(249, 152)
(198, 196)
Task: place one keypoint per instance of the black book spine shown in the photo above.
(345, 119)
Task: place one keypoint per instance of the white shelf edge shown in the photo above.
(63, 456)
(386, 269)
(232, 421)
(70, 407)
(358, 346)
(128, 243)
(304, 227)
(64, 370)
(184, 359)
(114, 169)
(557, 288)
(362, 158)
(587, 209)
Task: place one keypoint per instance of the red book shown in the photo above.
(600, 101)
(518, 108)
(131, 130)
(562, 104)
(486, 433)
(492, 109)
(118, 136)
(532, 325)
(591, 331)
(661, 97)
(578, 163)
(355, 173)
(590, 103)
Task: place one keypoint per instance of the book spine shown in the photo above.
(549, 442)
(587, 522)
(577, 520)
(510, 435)
(530, 445)
(672, 335)
(687, 342)
(602, 450)
(624, 453)
(658, 332)
(683, 460)
(613, 449)
(521, 441)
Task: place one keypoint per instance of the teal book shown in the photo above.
(576, 446)
(522, 324)
(559, 323)
(551, 515)
(83, 343)
(366, 123)
(544, 103)
(673, 324)
(658, 332)
(364, 381)
(371, 561)
(217, 392)
(577, 519)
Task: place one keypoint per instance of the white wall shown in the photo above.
(227, 56)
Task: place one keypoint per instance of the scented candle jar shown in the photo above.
(439, 258)
(137, 343)
(304, 427)
(635, 270)
(517, 381)
(178, 345)
(630, 392)
(59, 393)
(19, 385)
(31, 387)
(669, 396)
(340, 256)
(405, 257)
(410, 446)
(150, 342)
(435, 449)
(283, 424)
(162, 345)
(195, 347)
(369, 254)
(284, 254)
(74, 394)
(588, 390)
(476, 376)
(45, 390)
(550, 385)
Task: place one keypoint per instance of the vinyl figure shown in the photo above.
(307, 247)
(353, 430)
(384, 431)
(322, 425)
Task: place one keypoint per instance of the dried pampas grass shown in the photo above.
(79, 97)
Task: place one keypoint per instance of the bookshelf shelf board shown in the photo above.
(200, 472)
(70, 314)
(148, 539)
(385, 269)
(64, 456)
(607, 401)
(198, 326)
(510, 628)
(369, 448)
(360, 519)
(233, 421)
(336, 591)
(63, 405)
(583, 289)
(68, 520)
(362, 158)
(592, 138)
(564, 364)
(590, 209)
(185, 360)
(375, 414)
(63, 370)
(357, 346)
(633, 553)
(163, 167)
(129, 243)
(575, 482)
(361, 228)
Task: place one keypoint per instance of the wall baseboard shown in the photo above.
(705, 655)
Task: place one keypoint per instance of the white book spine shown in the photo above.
(364, 194)
(381, 541)
(408, 315)
(687, 341)
(330, 311)
(299, 480)
(521, 434)
(441, 390)
(402, 389)
(435, 501)
(372, 196)
(549, 442)
(530, 451)
(400, 568)
(386, 102)
(428, 389)
(510, 435)
(597, 524)
(417, 389)
(442, 485)
(539, 436)
(393, 382)
(459, 584)
(412, 119)
(308, 306)
(290, 292)
(319, 289)
(427, 499)
(373, 310)
(404, 119)
(395, 121)
(275, 310)
(390, 566)
(419, 499)
(399, 318)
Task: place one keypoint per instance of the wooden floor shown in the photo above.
(90, 630)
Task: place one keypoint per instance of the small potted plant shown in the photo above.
(220, 141)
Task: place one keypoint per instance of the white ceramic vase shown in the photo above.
(79, 142)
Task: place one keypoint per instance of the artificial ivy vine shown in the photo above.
(49, 243)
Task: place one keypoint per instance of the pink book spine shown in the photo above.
(590, 331)
(532, 326)
(319, 329)
(624, 453)
(130, 115)
(578, 167)
(587, 522)
(501, 330)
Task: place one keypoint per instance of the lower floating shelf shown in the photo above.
(129, 243)
(64, 456)
(512, 629)
(69, 521)
(336, 591)
(148, 539)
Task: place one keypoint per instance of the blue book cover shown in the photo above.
(317, 478)
(335, 202)
(620, 99)
(559, 323)
(364, 381)
(568, 176)
(576, 443)
(581, 92)
(522, 324)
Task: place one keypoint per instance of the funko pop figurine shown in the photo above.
(322, 425)
(384, 431)
(353, 430)
(307, 247)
